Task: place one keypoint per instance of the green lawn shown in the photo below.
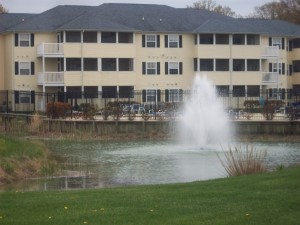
(266, 199)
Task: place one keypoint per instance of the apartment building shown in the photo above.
(111, 50)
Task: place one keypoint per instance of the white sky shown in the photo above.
(242, 7)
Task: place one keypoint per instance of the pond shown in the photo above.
(98, 164)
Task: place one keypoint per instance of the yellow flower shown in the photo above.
(66, 207)
(50, 217)
(85, 222)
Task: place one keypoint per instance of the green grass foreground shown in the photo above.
(266, 199)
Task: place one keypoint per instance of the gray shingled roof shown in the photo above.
(141, 18)
(8, 20)
(51, 19)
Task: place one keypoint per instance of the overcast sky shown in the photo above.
(242, 7)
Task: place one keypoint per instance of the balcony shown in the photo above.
(270, 78)
(50, 49)
(270, 52)
(51, 79)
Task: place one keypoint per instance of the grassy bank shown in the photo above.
(22, 158)
(271, 198)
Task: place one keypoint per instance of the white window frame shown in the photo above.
(173, 41)
(277, 41)
(151, 39)
(24, 95)
(173, 66)
(175, 96)
(151, 95)
(151, 66)
(24, 39)
(275, 69)
(23, 66)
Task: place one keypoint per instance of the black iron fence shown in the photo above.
(157, 104)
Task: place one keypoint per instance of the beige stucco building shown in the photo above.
(111, 50)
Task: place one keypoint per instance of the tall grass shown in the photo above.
(244, 160)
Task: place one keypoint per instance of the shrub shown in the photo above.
(244, 161)
(57, 110)
(88, 111)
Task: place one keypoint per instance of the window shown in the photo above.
(206, 39)
(24, 39)
(173, 41)
(108, 37)
(238, 91)
(24, 68)
(151, 95)
(25, 97)
(90, 64)
(151, 41)
(74, 92)
(222, 90)
(252, 39)
(151, 68)
(173, 68)
(125, 64)
(296, 66)
(222, 39)
(206, 65)
(253, 91)
(222, 64)
(296, 43)
(125, 37)
(73, 36)
(126, 92)
(277, 68)
(109, 64)
(89, 37)
(109, 92)
(238, 65)
(73, 64)
(253, 65)
(238, 39)
(174, 95)
(275, 41)
(90, 92)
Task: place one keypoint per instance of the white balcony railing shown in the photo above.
(270, 52)
(51, 78)
(50, 49)
(270, 78)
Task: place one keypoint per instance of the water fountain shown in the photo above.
(204, 120)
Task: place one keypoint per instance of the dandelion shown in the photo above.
(151, 210)
(85, 222)
(50, 217)
(66, 207)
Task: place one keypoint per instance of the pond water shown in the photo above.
(109, 164)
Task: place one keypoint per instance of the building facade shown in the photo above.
(112, 50)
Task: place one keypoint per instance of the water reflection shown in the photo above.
(110, 164)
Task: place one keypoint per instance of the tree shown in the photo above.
(211, 5)
(288, 10)
(2, 9)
